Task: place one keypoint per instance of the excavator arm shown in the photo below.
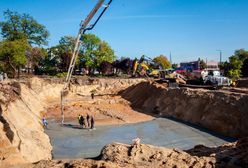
(83, 28)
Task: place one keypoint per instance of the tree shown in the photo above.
(104, 53)
(163, 61)
(203, 65)
(94, 51)
(174, 66)
(65, 51)
(58, 57)
(34, 57)
(23, 26)
(244, 68)
(235, 67)
(242, 54)
(12, 55)
(90, 44)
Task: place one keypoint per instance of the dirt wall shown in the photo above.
(22, 137)
(217, 110)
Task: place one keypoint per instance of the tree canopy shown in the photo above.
(23, 26)
(163, 61)
(235, 68)
(13, 55)
(203, 65)
(94, 51)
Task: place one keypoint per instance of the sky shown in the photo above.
(188, 29)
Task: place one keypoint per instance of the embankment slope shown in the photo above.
(22, 137)
(221, 111)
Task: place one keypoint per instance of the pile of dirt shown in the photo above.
(121, 155)
(221, 111)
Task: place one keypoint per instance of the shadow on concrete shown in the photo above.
(235, 155)
(74, 126)
(137, 99)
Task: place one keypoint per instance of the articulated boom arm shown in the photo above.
(82, 30)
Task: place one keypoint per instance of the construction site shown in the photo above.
(129, 112)
(179, 119)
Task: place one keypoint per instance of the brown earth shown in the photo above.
(106, 109)
(22, 137)
(222, 111)
(242, 83)
(22, 103)
(146, 156)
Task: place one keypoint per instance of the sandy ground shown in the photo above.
(106, 109)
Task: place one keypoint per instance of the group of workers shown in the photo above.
(86, 122)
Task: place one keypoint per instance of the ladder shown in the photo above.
(83, 28)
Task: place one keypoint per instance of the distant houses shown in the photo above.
(195, 65)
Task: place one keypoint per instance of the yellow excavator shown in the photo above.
(146, 67)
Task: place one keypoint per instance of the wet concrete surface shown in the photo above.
(69, 142)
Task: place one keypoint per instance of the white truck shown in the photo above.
(214, 78)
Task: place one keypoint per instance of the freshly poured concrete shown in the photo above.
(71, 142)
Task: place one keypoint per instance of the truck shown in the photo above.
(215, 78)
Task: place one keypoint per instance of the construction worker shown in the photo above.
(79, 119)
(44, 122)
(92, 122)
(88, 120)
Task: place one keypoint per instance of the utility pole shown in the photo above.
(170, 58)
(220, 55)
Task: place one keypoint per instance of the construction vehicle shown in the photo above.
(83, 28)
(146, 67)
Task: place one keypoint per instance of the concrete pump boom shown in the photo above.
(82, 30)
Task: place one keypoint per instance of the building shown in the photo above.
(193, 65)
(212, 66)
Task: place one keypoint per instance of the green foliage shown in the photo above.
(90, 44)
(104, 53)
(241, 54)
(232, 68)
(235, 67)
(35, 55)
(94, 51)
(58, 57)
(23, 26)
(244, 68)
(12, 55)
(61, 75)
(203, 65)
(174, 66)
(163, 61)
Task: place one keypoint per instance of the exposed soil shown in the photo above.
(106, 109)
(22, 138)
(233, 155)
(222, 111)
